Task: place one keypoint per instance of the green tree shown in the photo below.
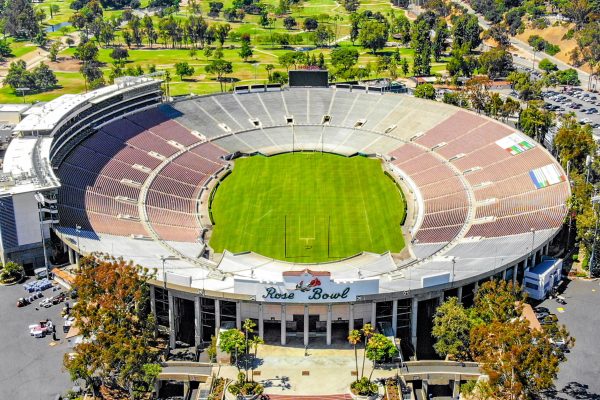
(17, 76)
(119, 54)
(496, 63)
(248, 327)
(367, 332)
(351, 5)
(53, 52)
(20, 19)
(421, 45)
(466, 31)
(183, 69)
(310, 24)
(451, 329)
(245, 50)
(114, 318)
(322, 36)
(519, 361)
(220, 68)
(547, 65)
(354, 339)
(442, 33)
(254, 343)
(269, 68)
(425, 91)
(378, 349)
(373, 35)
(43, 78)
(525, 86)
(233, 342)
(497, 301)
(535, 121)
(574, 142)
(289, 22)
(344, 58)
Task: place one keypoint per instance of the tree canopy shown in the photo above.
(118, 328)
(518, 359)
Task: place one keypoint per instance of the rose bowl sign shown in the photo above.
(306, 287)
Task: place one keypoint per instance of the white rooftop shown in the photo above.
(14, 107)
(26, 160)
(45, 117)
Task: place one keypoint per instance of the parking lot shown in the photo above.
(585, 105)
(31, 368)
(578, 376)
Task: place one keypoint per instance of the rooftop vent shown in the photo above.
(359, 124)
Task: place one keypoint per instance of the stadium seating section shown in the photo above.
(469, 186)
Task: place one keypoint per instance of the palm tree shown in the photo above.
(354, 339)
(254, 342)
(248, 328)
(367, 332)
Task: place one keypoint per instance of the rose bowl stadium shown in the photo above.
(309, 210)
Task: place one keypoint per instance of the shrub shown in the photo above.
(212, 349)
(551, 49)
(243, 388)
(363, 387)
(11, 272)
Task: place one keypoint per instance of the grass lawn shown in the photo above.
(291, 206)
(69, 82)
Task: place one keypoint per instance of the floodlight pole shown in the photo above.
(163, 259)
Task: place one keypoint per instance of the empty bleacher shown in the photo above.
(467, 183)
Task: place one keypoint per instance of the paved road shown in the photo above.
(579, 375)
(30, 369)
(526, 49)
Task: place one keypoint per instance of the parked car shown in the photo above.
(549, 320)
(541, 315)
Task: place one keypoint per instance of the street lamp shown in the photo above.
(453, 265)
(164, 276)
(40, 200)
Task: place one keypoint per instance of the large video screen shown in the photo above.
(309, 78)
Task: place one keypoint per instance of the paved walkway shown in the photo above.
(324, 371)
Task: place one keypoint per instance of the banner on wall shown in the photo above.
(546, 176)
(515, 144)
(306, 287)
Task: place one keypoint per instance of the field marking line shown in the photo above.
(265, 214)
(306, 239)
(362, 196)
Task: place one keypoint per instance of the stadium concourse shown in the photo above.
(132, 176)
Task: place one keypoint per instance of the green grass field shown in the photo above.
(307, 207)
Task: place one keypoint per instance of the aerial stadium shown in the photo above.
(311, 210)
